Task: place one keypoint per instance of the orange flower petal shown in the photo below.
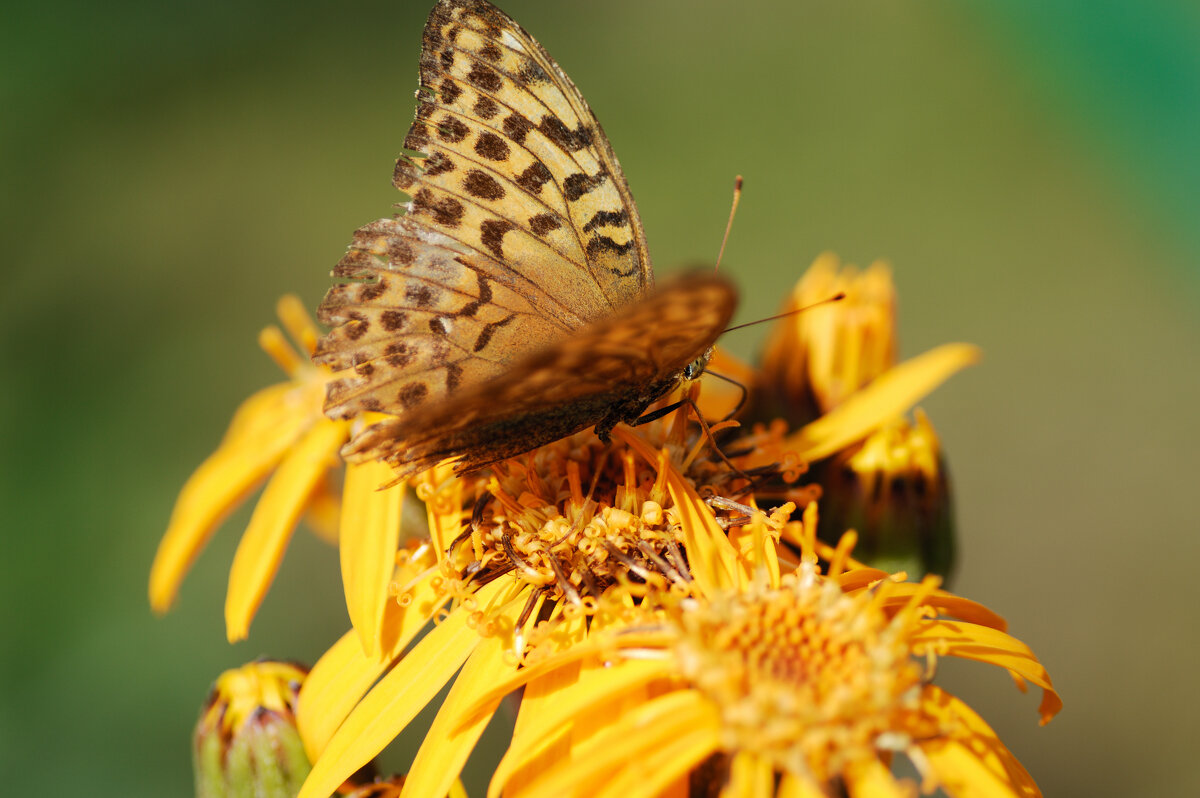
(983, 644)
(533, 747)
(750, 776)
(677, 729)
(389, 707)
(446, 748)
(345, 673)
(369, 535)
(259, 435)
(544, 723)
(872, 779)
(792, 786)
(971, 760)
(887, 396)
(265, 539)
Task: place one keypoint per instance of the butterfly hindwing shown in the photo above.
(422, 317)
(605, 373)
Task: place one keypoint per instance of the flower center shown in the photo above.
(805, 674)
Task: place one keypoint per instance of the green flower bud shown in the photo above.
(246, 742)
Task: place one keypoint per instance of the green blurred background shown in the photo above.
(1031, 169)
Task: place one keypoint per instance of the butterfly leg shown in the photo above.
(654, 415)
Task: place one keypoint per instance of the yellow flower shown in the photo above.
(526, 556)
(536, 556)
(789, 686)
(815, 359)
(568, 568)
(281, 431)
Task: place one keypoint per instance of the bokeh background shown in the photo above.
(1031, 169)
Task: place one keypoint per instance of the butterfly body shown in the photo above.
(513, 303)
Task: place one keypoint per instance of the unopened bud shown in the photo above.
(894, 491)
(246, 742)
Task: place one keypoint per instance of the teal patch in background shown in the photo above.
(1125, 78)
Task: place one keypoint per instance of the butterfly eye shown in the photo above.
(692, 370)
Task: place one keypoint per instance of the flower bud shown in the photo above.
(894, 491)
(246, 742)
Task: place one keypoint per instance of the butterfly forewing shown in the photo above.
(520, 227)
(517, 165)
(510, 305)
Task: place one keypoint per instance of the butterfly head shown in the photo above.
(693, 370)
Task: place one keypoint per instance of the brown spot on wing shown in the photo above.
(482, 185)
(449, 91)
(491, 234)
(393, 320)
(578, 184)
(491, 51)
(544, 223)
(534, 177)
(485, 79)
(369, 292)
(420, 295)
(446, 211)
(492, 147)
(412, 394)
(607, 219)
(516, 127)
(452, 129)
(570, 140)
(486, 107)
(485, 335)
(437, 164)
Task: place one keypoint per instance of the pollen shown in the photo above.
(578, 517)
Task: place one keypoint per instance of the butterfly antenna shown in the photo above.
(741, 401)
(737, 197)
(838, 297)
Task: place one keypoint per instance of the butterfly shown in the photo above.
(513, 303)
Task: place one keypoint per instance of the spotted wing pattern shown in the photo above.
(521, 227)
(603, 374)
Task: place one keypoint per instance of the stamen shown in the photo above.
(519, 563)
(845, 545)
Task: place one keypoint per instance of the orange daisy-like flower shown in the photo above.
(786, 686)
(815, 360)
(578, 569)
(537, 556)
